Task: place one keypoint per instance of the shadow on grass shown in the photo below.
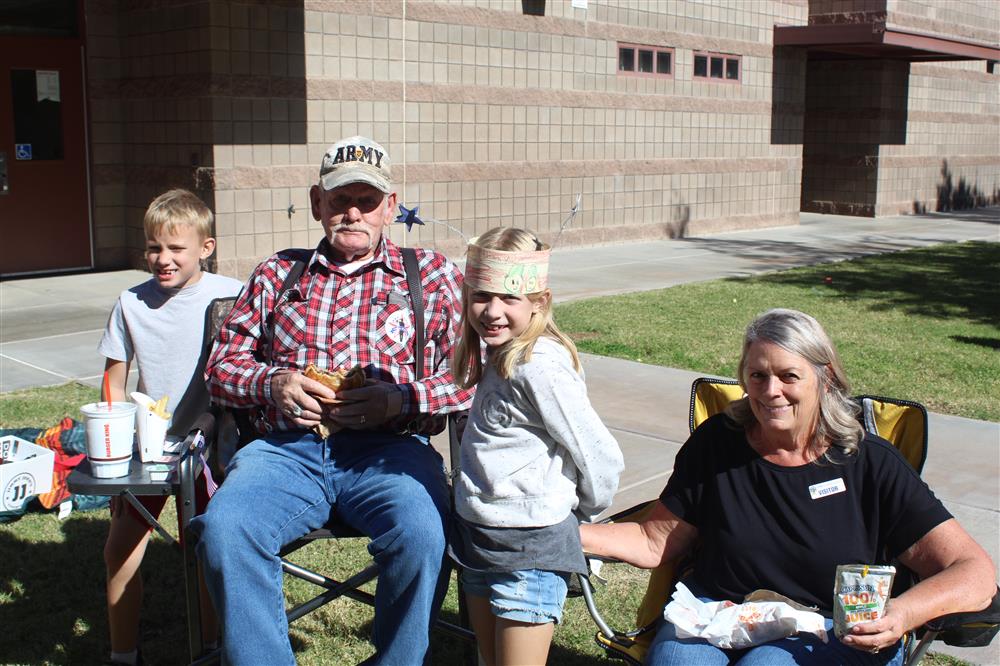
(989, 343)
(56, 610)
(560, 656)
(948, 281)
(52, 602)
(944, 281)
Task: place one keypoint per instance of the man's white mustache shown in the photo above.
(351, 227)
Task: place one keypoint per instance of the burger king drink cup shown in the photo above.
(109, 438)
(150, 427)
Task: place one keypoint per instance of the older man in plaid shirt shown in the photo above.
(376, 472)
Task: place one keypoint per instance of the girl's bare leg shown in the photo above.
(484, 623)
(521, 643)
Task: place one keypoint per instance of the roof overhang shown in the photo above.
(876, 40)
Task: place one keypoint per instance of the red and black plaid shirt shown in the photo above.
(335, 320)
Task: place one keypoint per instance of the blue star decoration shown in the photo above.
(409, 217)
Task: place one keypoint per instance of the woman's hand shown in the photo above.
(956, 575)
(882, 633)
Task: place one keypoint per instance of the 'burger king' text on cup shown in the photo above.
(109, 438)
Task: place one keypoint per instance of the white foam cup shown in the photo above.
(151, 428)
(109, 438)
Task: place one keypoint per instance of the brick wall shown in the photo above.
(951, 159)
(491, 116)
(884, 137)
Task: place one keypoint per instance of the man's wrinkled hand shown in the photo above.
(298, 397)
(368, 407)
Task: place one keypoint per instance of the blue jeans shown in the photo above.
(390, 487)
(534, 596)
(799, 649)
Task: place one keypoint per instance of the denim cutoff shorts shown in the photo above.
(533, 596)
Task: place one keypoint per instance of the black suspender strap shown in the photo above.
(251, 421)
(417, 302)
(294, 273)
(267, 334)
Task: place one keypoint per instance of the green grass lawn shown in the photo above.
(52, 584)
(921, 324)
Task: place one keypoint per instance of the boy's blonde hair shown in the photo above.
(175, 208)
(467, 366)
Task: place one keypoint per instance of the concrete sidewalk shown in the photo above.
(50, 327)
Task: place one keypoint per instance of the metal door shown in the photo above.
(44, 191)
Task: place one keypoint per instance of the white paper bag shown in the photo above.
(735, 626)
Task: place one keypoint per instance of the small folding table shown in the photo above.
(180, 482)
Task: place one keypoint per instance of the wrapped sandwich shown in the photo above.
(337, 380)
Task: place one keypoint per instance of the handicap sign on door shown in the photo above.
(22, 151)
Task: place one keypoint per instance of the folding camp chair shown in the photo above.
(901, 422)
(235, 427)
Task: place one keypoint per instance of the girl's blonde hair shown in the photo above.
(467, 366)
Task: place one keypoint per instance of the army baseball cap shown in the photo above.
(356, 159)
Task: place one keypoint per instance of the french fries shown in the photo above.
(160, 408)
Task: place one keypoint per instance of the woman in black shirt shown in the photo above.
(784, 486)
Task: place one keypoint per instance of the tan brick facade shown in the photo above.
(495, 117)
(885, 137)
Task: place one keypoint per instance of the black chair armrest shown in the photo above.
(206, 424)
(973, 629)
(990, 614)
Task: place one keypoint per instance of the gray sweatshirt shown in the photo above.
(534, 449)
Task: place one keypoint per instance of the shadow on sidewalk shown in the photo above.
(773, 254)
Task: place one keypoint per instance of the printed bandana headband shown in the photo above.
(502, 272)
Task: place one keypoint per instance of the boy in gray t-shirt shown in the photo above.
(160, 325)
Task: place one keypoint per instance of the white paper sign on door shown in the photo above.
(47, 84)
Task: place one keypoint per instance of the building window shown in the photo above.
(533, 7)
(718, 66)
(991, 67)
(642, 60)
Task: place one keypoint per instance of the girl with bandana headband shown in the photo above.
(536, 459)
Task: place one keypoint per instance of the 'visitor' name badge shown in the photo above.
(827, 488)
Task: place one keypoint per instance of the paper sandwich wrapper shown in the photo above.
(765, 616)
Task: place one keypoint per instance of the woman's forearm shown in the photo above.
(967, 585)
(956, 575)
(659, 537)
(622, 541)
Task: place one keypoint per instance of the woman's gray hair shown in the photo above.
(798, 333)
